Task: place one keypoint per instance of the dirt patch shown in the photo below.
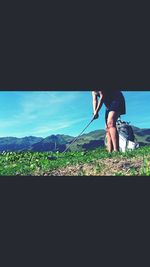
(121, 167)
(102, 167)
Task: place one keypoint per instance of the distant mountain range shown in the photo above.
(59, 142)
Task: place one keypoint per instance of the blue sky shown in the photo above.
(42, 113)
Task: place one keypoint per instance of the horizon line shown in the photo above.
(27, 136)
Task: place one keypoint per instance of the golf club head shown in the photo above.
(51, 158)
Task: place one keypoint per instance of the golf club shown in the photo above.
(75, 139)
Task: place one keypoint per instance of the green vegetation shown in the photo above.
(94, 162)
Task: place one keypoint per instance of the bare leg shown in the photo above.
(111, 125)
(109, 141)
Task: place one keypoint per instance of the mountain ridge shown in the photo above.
(59, 142)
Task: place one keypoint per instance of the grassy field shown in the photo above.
(90, 163)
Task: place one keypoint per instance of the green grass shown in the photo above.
(36, 163)
(145, 170)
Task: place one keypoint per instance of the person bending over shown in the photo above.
(115, 106)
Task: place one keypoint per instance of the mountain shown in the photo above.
(18, 144)
(52, 143)
(59, 142)
(142, 135)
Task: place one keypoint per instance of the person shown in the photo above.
(115, 106)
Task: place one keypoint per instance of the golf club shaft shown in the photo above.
(79, 135)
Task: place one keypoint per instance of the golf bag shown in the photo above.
(127, 140)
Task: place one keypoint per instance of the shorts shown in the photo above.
(116, 105)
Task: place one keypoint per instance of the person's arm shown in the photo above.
(97, 104)
(100, 102)
(95, 101)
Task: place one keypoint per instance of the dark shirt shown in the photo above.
(114, 100)
(109, 96)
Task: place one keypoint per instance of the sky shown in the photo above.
(43, 113)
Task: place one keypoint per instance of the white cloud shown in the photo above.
(45, 104)
(36, 108)
(52, 127)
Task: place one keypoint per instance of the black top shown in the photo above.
(114, 100)
(110, 96)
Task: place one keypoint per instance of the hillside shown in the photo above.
(18, 144)
(142, 135)
(59, 142)
(89, 163)
(52, 143)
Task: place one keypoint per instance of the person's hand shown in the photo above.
(95, 115)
